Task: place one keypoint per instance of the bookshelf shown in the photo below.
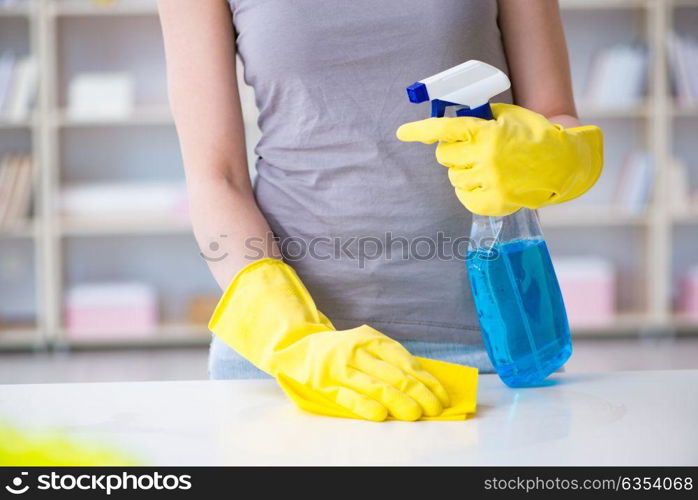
(651, 248)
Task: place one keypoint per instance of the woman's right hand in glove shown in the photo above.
(268, 316)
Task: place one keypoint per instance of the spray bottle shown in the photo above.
(515, 289)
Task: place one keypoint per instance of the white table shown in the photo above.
(622, 418)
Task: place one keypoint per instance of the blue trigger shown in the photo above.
(438, 110)
(438, 107)
(484, 112)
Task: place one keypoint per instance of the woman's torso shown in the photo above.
(329, 79)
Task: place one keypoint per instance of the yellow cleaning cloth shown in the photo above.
(459, 381)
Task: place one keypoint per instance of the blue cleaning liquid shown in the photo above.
(522, 315)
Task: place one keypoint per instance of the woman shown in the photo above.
(356, 213)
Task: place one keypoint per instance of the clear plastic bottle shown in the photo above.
(517, 297)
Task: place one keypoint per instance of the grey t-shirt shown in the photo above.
(368, 222)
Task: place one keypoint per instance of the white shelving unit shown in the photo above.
(650, 236)
(20, 245)
(68, 36)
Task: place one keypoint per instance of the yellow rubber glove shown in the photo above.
(520, 159)
(46, 448)
(268, 316)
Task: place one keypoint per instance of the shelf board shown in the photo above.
(602, 4)
(684, 3)
(685, 324)
(188, 335)
(14, 125)
(683, 111)
(19, 338)
(589, 216)
(687, 216)
(23, 11)
(166, 335)
(597, 113)
(125, 227)
(17, 231)
(81, 8)
(624, 324)
(140, 117)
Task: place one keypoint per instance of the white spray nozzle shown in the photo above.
(471, 84)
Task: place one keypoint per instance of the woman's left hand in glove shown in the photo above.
(519, 159)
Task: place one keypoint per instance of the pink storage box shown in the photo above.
(688, 299)
(588, 287)
(111, 310)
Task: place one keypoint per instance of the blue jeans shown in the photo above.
(225, 364)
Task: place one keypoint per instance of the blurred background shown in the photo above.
(100, 276)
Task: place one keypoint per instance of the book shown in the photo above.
(111, 310)
(617, 77)
(123, 200)
(7, 63)
(22, 92)
(635, 183)
(588, 285)
(4, 184)
(20, 199)
(683, 60)
(678, 185)
(10, 167)
(101, 96)
(16, 182)
(691, 51)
